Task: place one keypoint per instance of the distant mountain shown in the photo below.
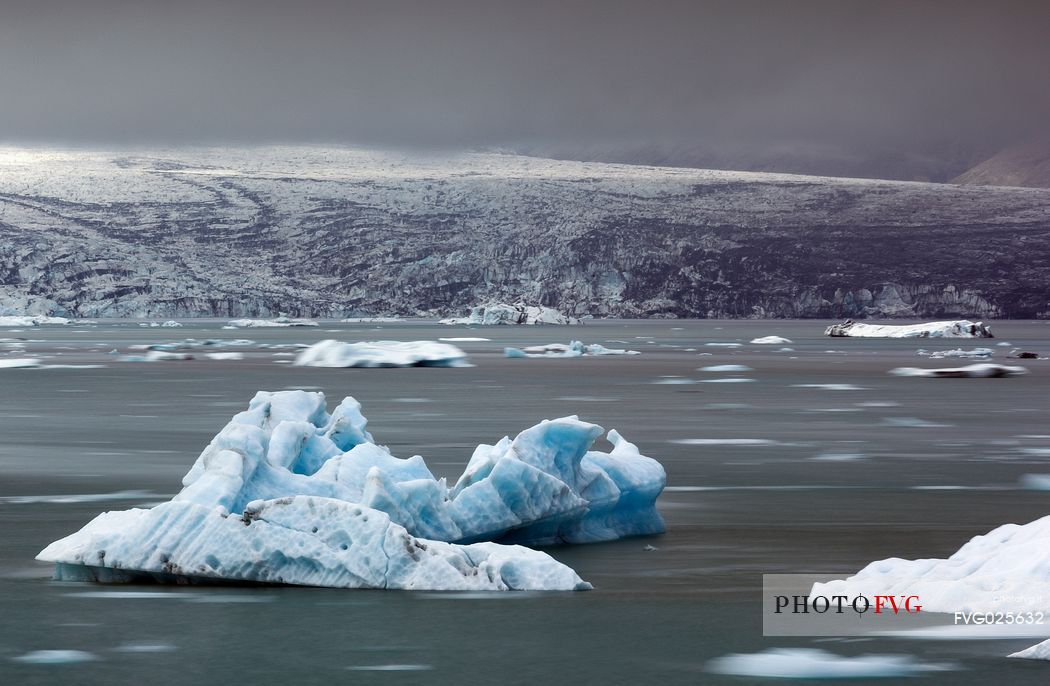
(879, 162)
(1022, 165)
(314, 231)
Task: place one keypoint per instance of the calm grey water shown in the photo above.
(924, 464)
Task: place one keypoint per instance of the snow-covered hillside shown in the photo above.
(312, 231)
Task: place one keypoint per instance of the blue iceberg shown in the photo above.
(288, 493)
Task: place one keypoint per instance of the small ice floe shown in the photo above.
(724, 441)
(55, 657)
(674, 381)
(911, 423)
(391, 668)
(785, 350)
(279, 322)
(734, 379)
(156, 356)
(976, 353)
(1040, 651)
(727, 368)
(224, 356)
(812, 663)
(573, 349)
(879, 403)
(1003, 344)
(949, 329)
(373, 354)
(1037, 452)
(724, 345)
(145, 648)
(518, 313)
(1035, 482)
(839, 457)
(830, 386)
(170, 324)
(1022, 355)
(370, 320)
(985, 370)
(76, 498)
(20, 363)
(465, 339)
(32, 320)
(770, 340)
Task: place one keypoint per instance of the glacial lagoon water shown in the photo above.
(822, 462)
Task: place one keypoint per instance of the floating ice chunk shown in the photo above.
(950, 329)
(545, 486)
(810, 663)
(370, 320)
(573, 349)
(32, 320)
(332, 353)
(55, 657)
(973, 371)
(727, 368)
(724, 345)
(1001, 571)
(735, 379)
(20, 363)
(771, 340)
(725, 441)
(157, 356)
(976, 353)
(302, 540)
(279, 322)
(170, 324)
(518, 313)
(464, 339)
(830, 386)
(1035, 482)
(224, 356)
(1040, 651)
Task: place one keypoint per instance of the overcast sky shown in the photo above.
(461, 72)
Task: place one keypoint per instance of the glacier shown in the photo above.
(518, 313)
(285, 485)
(332, 353)
(573, 349)
(962, 328)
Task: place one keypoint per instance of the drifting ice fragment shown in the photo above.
(287, 493)
(810, 663)
(771, 340)
(382, 354)
(973, 371)
(279, 322)
(573, 349)
(955, 329)
(1040, 651)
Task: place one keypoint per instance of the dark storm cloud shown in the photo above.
(479, 73)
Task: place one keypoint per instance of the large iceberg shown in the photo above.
(288, 493)
(1004, 570)
(518, 313)
(954, 329)
(332, 353)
